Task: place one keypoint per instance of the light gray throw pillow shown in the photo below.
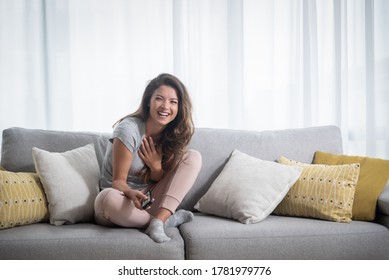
(70, 181)
(248, 189)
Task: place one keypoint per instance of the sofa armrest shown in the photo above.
(383, 201)
(382, 216)
(382, 220)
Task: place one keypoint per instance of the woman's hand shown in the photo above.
(151, 157)
(136, 196)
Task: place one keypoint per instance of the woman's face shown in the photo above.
(163, 105)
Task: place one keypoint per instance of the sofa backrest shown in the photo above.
(17, 144)
(215, 146)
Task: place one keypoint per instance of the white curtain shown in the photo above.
(248, 64)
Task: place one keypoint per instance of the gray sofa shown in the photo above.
(207, 237)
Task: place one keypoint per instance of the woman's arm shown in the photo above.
(121, 163)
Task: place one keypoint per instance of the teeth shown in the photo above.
(163, 114)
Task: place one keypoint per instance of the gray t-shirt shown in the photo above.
(130, 131)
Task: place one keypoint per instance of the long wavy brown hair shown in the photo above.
(177, 134)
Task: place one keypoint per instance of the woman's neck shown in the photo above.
(152, 129)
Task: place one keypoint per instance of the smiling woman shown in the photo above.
(148, 155)
(163, 107)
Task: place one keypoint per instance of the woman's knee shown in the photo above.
(193, 158)
(113, 206)
(106, 199)
(101, 207)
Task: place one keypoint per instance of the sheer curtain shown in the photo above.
(248, 64)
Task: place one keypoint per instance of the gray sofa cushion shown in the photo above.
(86, 241)
(17, 144)
(278, 237)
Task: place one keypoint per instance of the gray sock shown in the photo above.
(156, 231)
(178, 218)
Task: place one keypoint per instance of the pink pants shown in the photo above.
(112, 207)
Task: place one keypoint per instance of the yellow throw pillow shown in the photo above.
(373, 177)
(22, 199)
(322, 191)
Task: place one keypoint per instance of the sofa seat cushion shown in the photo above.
(279, 237)
(85, 241)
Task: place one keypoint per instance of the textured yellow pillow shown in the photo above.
(374, 175)
(322, 191)
(22, 199)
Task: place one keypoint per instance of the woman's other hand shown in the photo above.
(152, 157)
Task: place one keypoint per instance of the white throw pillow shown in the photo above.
(248, 189)
(70, 181)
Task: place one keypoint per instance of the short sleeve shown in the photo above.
(128, 132)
